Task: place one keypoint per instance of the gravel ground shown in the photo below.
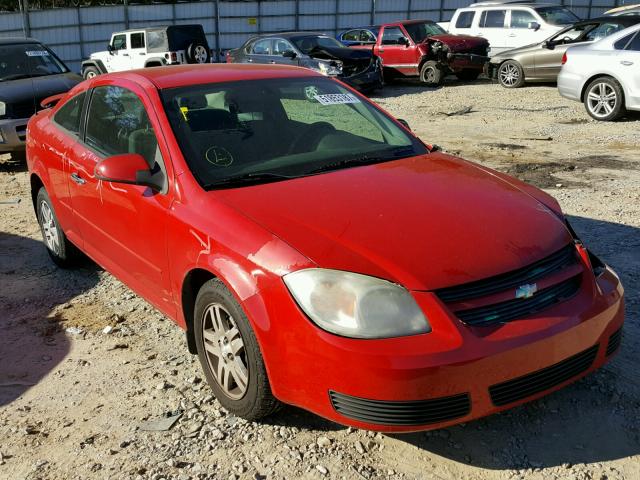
(87, 368)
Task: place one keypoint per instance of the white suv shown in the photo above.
(150, 47)
(510, 24)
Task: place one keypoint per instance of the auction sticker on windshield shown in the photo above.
(37, 53)
(336, 98)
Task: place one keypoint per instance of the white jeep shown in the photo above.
(150, 47)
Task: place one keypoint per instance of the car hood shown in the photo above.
(457, 43)
(424, 222)
(37, 89)
(534, 47)
(345, 54)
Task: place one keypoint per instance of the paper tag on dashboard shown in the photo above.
(336, 98)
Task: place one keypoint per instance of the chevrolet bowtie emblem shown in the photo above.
(526, 291)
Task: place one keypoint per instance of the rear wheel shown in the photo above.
(90, 72)
(198, 53)
(60, 249)
(510, 74)
(468, 75)
(431, 74)
(230, 355)
(604, 99)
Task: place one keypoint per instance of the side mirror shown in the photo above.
(289, 54)
(548, 44)
(129, 168)
(535, 26)
(110, 49)
(404, 123)
(404, 41)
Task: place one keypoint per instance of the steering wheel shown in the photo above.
(310, 136)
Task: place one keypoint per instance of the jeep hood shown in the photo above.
(458, 43)
(425, 222)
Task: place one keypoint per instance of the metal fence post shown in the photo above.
(217, 24)
(80, 36)
(26, 25)
(297, 27)
(126, 14)
(408, 9)
(373, 12)
(335, 19)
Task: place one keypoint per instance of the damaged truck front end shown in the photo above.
(463, 56)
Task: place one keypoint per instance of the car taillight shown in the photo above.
(564, 58)
(174, 57)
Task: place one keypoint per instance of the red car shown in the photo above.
(315, 251)
(421, 48)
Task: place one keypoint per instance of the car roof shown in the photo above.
(14, 40)
(159, 27)
(288, 34)
(626, 20)
(508, 3)
(185, 75)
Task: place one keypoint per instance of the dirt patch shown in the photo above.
(506, 146)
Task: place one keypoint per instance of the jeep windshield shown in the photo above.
(28, 60)
(308, 44)
(419, 31)
(557, 15)
(257, 131)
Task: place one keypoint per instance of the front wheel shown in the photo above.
(60, 249)
(510, 74)
(604, 99)
(431, 74)
(230, 355)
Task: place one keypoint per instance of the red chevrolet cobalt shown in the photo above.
(315, 251)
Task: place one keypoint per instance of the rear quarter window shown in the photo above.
(624, 41)
(68, 116)
(465, 19)
(493, 18)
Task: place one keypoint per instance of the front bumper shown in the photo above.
(13, 134)
(466, 61)
(448, 376)
(369, 79)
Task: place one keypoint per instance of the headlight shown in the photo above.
(3, 109)
(328, 69)
(356, 305)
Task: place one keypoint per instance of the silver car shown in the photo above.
(541, 61)
(605, 75)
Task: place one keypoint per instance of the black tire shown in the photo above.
(431, 74)
(198, 53)
(20, 156)
(511, 74)
(468, 75)
(90, 72)
(63, 253)
(600, 108)
(257, 401)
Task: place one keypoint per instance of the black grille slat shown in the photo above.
(614, 342)
(520, 307)
(417, 412)
(554, 262)
(541, 380)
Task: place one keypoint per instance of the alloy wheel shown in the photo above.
(91, 74)
(509, 74)
(49, 228)
(225, 351)
(429, 75)
(200, 54)
(601, 99)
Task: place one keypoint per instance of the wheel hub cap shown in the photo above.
(602, 99)
(49, 229)
(509, 75)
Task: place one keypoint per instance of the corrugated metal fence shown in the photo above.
(74, 33)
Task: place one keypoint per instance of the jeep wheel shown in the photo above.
(90, 72)
(468, 75)
(431, 74)
(198, 53)
(510, 74)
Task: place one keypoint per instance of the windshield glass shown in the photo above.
(557, 15)
(314, 42)
(262, 130)
(420, 31)
(28, 60)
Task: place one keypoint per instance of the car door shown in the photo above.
(548, 60)
(279, 47)
(492, 26)
(397, 50)
(260, 51)
(137, 49)
(123, 227)
(523, 28)
(629, 68)
(119, 58)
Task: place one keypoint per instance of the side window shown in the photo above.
(571, 35)
(493, 18)
(68, 116)
(622, 43)
(465, 19)
(117, 123)
(280, 46)
(521, 18)
(352, 36)
(367, 37)
(262, 47)
(635, 44)
(137, 40)
(392, 36)
(119, 42)
(603, 30)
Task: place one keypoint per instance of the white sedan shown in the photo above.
(605, 75)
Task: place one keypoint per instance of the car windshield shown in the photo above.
(28, 60)
(308, 44)
(421, 30)
(557, 15)
(263, 130)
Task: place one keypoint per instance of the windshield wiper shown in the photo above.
(248, 178)
(363, 160)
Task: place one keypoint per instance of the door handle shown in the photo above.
(125, 54)
(250, 60)
(626, 62)
(141, 53)
(479, 34)
(78, 179)
(272, 61)
(512, 35)
(381, 49)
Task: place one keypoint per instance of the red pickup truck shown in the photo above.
(421, 48)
